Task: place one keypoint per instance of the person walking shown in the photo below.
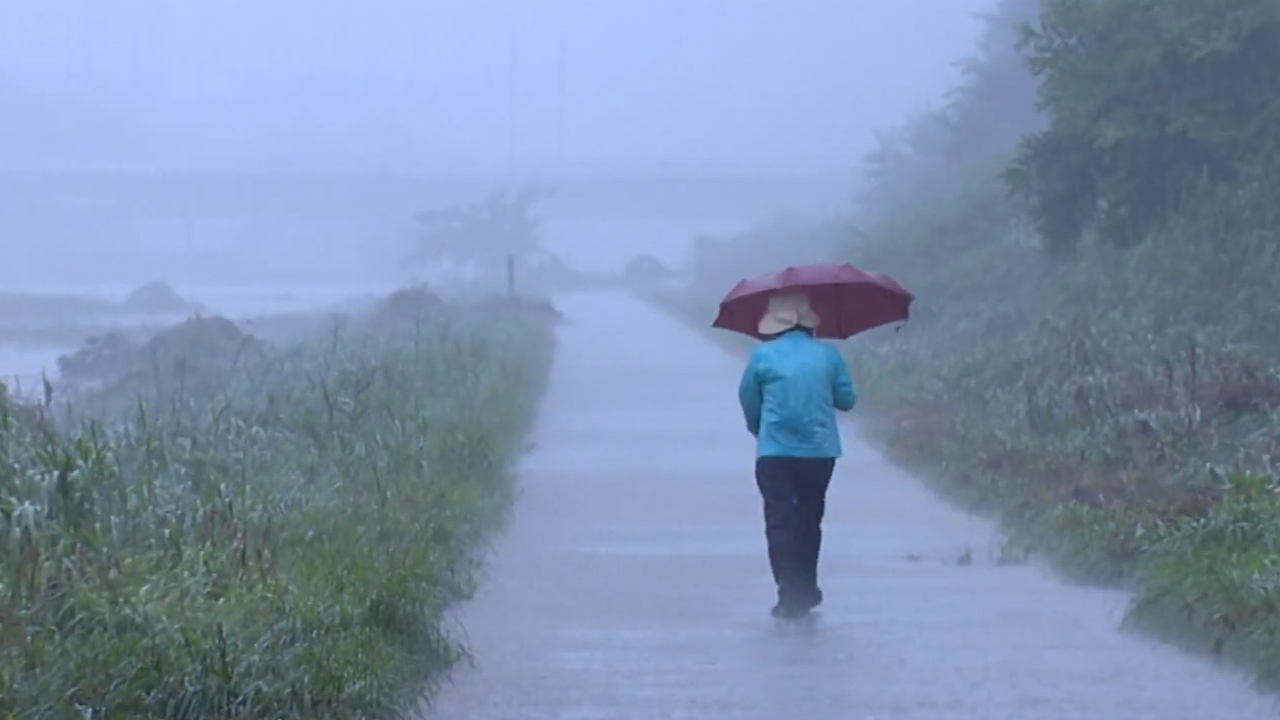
(790, 391)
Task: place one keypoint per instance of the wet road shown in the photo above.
(633, 581)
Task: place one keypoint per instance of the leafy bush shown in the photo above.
(409, 303)
(108, 355)
(283, 549)
(199, 342)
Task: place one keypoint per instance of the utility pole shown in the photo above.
(560, 94)
(512, 124)
(512, 113)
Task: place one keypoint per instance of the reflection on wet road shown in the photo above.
(633, 581)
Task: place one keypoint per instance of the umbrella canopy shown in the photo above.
(848, 300)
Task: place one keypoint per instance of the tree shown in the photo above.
(968, 139)
(1148, 101)
(480, 238)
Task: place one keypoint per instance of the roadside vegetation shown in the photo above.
(1091, 225)
(224, 526)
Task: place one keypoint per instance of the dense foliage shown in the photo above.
(1090, 223)
(1148, 101)
(282, 546)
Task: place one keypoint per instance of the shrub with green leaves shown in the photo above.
(284, 549)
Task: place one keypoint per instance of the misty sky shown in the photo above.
(752, 84)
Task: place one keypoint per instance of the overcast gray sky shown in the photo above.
(752, 84)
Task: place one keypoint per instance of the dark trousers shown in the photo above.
(795, 497)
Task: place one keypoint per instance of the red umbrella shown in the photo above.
(847, 300)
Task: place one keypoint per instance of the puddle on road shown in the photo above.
(671, 548)
(664, 657)
(642, 540)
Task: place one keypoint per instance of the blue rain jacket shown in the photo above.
(790, 392)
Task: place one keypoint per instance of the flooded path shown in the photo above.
(633, 581)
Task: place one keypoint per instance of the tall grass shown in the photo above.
(284, 549)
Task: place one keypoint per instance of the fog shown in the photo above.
(501, 90)
(765, 86)
(308, 307)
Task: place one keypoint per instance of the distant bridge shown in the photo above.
(615, 196)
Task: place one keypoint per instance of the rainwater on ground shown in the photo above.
(632, 582)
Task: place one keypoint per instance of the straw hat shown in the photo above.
(786, 311)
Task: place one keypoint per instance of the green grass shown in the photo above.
(282, 547)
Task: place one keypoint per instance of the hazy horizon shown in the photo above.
(746, 86)
(499, 88)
